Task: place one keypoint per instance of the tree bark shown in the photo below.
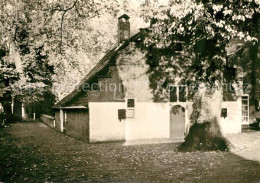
(15, 56)
(7, 105)
(205, 133)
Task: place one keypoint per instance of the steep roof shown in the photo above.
(105, 61)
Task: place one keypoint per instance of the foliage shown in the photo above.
(206, 27)
(8, 75)
(73, 35)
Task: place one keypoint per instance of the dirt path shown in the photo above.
(246, 144)
(32, 152)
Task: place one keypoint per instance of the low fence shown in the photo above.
(48, 120)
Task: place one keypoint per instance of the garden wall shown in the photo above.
(48, 120)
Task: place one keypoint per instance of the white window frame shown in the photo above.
(130, 108)
(243, 116)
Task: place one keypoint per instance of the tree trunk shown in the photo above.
(205, 132)
(7, 105)
(17, 110)
(16, 57)
(14, 50)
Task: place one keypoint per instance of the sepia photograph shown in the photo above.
(130, 91)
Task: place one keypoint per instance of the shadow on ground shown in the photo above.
(32, 152)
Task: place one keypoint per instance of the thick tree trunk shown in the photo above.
(205, 133)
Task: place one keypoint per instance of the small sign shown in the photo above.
(224, 112)
(121, 114)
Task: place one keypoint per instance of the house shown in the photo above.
(244, 58)
(115, 101)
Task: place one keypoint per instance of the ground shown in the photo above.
(246, 144)
(33, 152)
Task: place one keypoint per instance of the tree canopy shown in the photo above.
(206, 27)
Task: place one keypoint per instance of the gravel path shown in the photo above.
(246, 144)
(33, 152)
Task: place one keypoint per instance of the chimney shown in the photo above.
(123, 28)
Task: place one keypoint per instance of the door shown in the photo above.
(77, 123)
(177, 122)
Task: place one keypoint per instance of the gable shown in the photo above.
(92, 77)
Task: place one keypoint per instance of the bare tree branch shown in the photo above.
(62, 19)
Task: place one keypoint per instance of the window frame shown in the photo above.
(128, 103)
(245, 115)
(178, 92)
(131, 108)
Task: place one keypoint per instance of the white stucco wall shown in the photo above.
(232, 123)
(151, 121)
(104, 124)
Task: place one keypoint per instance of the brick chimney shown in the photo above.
(123, 28)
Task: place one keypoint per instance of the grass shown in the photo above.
(32, 152)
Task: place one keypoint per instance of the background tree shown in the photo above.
(8, 76)
(52, 44)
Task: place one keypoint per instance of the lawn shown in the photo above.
(32, 152)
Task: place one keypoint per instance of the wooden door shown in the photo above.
(77, 123)
(177, 122)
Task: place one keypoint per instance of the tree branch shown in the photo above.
(62, 19)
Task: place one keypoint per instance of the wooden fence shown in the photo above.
(48, 120)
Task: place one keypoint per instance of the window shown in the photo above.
(130, 108)
(131, 103)
(182, 93)
(130, 113)
(230, 74)
(178, 47)
(173, 94)
(178, 93)
(245, 109)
